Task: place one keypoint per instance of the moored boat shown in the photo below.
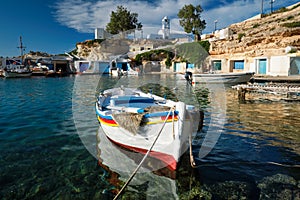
(14, 67)
(17, 72)
(136, 120)
(222, 78)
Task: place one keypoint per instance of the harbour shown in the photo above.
(131, 112)
(49, 147)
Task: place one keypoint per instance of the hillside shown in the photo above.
(268, 35)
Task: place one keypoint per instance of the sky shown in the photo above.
(55, 26)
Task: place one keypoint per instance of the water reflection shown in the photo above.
(120, 163)
(276, 123)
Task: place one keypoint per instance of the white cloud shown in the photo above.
(85, 16)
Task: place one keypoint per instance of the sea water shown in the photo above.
(49, 148)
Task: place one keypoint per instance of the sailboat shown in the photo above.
(14, 68)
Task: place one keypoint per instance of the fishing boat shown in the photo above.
(223, 78)
(14, 68)
(142, 121)
(17, 71)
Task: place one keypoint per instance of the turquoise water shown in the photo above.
(49, 149)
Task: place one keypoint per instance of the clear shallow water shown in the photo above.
(44, 123)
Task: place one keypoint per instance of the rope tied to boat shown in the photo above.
(173, 124)
(145, 156)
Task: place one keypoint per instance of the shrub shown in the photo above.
(280, 10)
(205, 44)
(240, 36)
(154, 55)
(291, 25)
(290, 17)
(255, 25)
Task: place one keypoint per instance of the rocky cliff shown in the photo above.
(102, 49)
(268, 35)
(105, 49)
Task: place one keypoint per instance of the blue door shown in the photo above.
(191, 66)
(262, 66)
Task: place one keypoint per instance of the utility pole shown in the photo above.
(216, 21)
(22, 48)
(262, 7)
(271, 2)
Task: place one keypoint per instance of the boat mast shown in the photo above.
(22, 48)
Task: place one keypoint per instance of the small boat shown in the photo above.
(40, 70)
(15, 68)
(17, 72)
(136, 120)
(222, 78)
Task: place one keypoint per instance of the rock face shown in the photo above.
(93, 50)
(268, 35)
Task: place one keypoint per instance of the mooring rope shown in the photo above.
(145, 156)
(192, 160)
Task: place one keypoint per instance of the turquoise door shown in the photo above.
(262, 66)
(177, 67)
(191, 66)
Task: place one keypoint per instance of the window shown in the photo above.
(217, 65)
(238, 64)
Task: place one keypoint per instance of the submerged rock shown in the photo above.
(233, 190)
(279, 186)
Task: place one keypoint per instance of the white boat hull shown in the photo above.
(16, 74)
(222, 78)
(173, 139)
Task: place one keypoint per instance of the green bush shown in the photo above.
(280, 10)
(205, 44)
(168, 62)
(240, 36)
(255, 25)
(154, 55)
(291, 25)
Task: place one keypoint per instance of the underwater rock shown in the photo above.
(279, 186)
(232, 190)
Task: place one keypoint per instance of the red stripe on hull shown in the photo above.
(166, 158)
(169, 118)
(109, 121)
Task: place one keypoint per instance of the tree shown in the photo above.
(122, 20)
(190, 20)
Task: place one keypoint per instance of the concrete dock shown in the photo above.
(271, 91)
